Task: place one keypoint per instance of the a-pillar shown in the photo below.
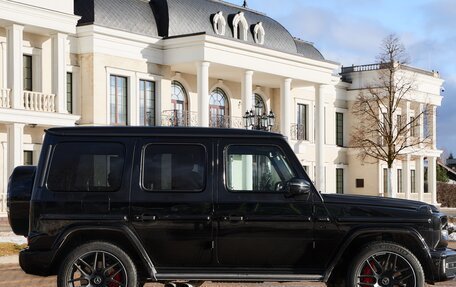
(420, 177)
(59, 59)
(203, 93)
(4, 65)
(247, 93)
(285, 107)
(320, 137)
(432, 178)
(14, 37)
(15, 134)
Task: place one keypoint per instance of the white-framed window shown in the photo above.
(259, 33)
(219, 23)
(147, 102)
(119, 100)
(240, 26)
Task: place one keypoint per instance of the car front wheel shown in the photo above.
(99, 264)
(385, 264)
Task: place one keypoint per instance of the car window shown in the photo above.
(173, 167)
(256, 168)
(86, 167)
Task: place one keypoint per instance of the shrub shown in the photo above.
(446, 194)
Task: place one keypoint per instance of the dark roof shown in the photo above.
(173, 18)
(151, 131)
(197, 17)
(133, 16)
(308, 50)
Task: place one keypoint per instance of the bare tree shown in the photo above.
(381, 133)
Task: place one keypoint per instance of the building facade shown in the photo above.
(187, 63)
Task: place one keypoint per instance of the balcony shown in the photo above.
(32, 101)
(298, 132)
(39, 102)
(177, 118)
(5, 98)
(218, 121)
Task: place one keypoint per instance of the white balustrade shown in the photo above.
(5, 98)
(39, 102)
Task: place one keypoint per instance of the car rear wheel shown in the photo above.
(385, 264)
(97, 264)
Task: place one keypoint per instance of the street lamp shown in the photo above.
(258, 121)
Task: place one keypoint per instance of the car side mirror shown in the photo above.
(296, 187)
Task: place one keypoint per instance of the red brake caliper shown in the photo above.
(118, 278)
(366, 271)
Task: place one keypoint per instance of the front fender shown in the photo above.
(412, 233)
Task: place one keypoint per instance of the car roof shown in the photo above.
(159, 131)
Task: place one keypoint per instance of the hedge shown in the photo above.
(446, 194)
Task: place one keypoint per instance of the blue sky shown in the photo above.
(350, 32)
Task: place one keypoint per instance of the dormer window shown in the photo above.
(258, 33)
(219, 23)
(240, 26)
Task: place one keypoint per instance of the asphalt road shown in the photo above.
(13, 276)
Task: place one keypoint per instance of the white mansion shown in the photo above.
(192, 63)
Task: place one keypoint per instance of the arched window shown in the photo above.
(218, 109)
(258, 33)
(258, 104)
(219, 23)
(179, 104)
(240, 26)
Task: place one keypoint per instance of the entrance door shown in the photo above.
(258, 227)
(171, 202)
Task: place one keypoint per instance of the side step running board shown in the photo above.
(237, 277)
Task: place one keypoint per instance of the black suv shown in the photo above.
(121, 206)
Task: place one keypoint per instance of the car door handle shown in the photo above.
(322, 219)
(145, 217)
(234, 218)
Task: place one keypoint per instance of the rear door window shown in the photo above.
(174, 167)
(86, 167)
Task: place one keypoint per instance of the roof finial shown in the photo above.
(245, 4)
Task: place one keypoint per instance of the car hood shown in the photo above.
(363, 200)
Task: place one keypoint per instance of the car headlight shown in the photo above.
(444, 235)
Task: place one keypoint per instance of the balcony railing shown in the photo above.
(39, 102)
(299, 132)
(176, 118)
(217, 121)
(5, 98)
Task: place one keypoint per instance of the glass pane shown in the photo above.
(89, 167)
(257, 169)
(174, 168)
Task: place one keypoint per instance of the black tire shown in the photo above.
(388, 263)
(99, 263)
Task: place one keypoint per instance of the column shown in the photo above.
(433, 126)
(203, 93)
(320, 137)
(59, 57)
(406, 176)
(432, 178)
(285, 107)
(14, 37)
(15, 134)
(407, 119)
(247, 93)
(421, 122)
(4, 66)
(419, 177)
